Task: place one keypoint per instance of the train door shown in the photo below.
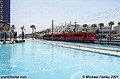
(73, 35)
(85, 35)
(65, 35)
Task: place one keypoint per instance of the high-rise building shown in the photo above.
(5, 12)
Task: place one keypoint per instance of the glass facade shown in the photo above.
(5, 12)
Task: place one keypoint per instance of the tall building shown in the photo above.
(5, 12)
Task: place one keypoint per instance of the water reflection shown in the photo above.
(52, 54)
(33, 47)
(5, 55)
(22, 48)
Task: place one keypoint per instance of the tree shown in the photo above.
(22, 28)
(101, 25)
(77, 26)
(6, 28)
(48, 30)
(1, 29)
(97, 31)
(85, 26)
(94, 26)
(33, 27)
(1, 26)
(13, 27)
(111, 23)
(118, 23)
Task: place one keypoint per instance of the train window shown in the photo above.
(76, 35)
(61, 35)
(81, 35)
(67, 35)
(92, 34)
(70, 35)
(88, 35)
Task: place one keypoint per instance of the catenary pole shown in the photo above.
(52, 28)
(75, 27)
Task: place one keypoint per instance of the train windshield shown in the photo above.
(92, 34)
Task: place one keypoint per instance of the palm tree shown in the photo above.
(85, 26)
(1, 26)
(111, 23)
(1, 29)
(22, 28)
(35, 32)
(77, 26)
(94, 26)
(118, 23)
(101, 25)
(33, 27)
(6, 28)
(13, 27)
(48, 30)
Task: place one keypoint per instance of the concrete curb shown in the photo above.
(8, 42)
(99, 50)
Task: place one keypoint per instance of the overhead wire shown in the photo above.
(97, 16)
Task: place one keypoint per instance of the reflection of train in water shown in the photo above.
(75, 37)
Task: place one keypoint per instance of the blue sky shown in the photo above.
(41, 12)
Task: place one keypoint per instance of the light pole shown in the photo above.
(75, 27)
(52, 28)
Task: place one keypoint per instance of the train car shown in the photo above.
(81, 36)
(84, 36)
(46, 36)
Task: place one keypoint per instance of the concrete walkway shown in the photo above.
(99, 50)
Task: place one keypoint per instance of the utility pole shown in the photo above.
(52, 28)
(75, 27)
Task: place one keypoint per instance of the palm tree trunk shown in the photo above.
(110, 32)
(35, 33)
(32, 33)
(5, 35)
(94, 29)
(10, 36)
(1, 35)
(101, 35)
(22, 34)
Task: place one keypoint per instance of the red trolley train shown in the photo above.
(74, 37)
